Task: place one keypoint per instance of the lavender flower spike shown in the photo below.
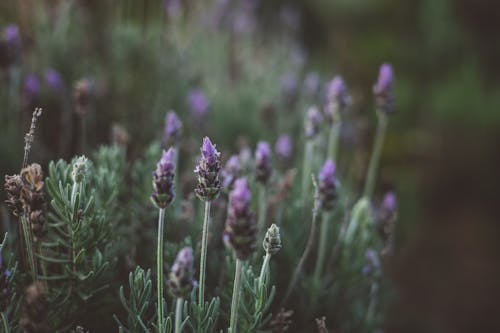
(230, 172)
(337, 98)
(263, 167)
(284, 148)
(173, 128)
(327, 186)
(198, 104)
(241, 229)
(53, 80)
(383, 89)
(208, 170)
(181, 280)
(163, 180)
(312, 123)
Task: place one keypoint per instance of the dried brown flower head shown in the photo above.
(13, 185)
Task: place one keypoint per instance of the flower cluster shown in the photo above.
(263, 167)
(173, 128)
(327, 186)
(208, 170)
(383, 90)
(33, 198)
(163, 180)
(181, 280)
(272, 240)
(312, 123)
(241, 229)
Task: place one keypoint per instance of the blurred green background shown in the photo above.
(442, 151)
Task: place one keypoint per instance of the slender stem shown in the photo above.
(5, 323)
(262, 207)
(298, 268)
(373, 303)
(83, 137)
(333, 141)
(306, 170)
(74, 192)
(320, 259)
(377, 149)
(29, 248)
(178, 315)
(236, 297)
(203, 259)
(264, 269)
(159, 269)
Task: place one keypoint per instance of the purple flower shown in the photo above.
(173, 128)
(311, 84)
(208, 170)
(163, 179)
(327, 186)
(172, 7)
(383, 90)
(181, 280)
(337, 97)
(198, 104)
(372, 263)
(312, 123)
(31, 87)
(230, 172)
(11, 36)
(289, 88)
(53, 80)
(387, 216)
(241, 229)
(283, 147)
(263, 167)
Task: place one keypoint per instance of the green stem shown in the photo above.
(159, 269)
(29, 248)
(262, 208)
(377, 149)
(203, 259)
(306, 170)
(320, 259)
(178, 315)
(236, 297)
(5, 323)
(333, 141)
(264, 269)
(298, 268)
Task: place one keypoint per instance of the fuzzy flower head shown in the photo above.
(198, 104)
(181, 280)
(81, 166)
(272, 240)
(327, 186)
(387, 215)
(208, 170)
(241, 229)
(337, 97)
(263, 167)
(284, 148)
(53, 80)
(383, 89)
(31, 86)
(312, 122)
(289, 88)
(230, 172)
(372, 263)
(11, 36)
(33, 198)
(173, 128)
(312, 84)
(163, 179)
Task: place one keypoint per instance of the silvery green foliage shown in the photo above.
(256, 300)
(209, 315)
(139, 305)
(78, 254)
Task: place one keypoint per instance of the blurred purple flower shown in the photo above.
(163, 179)
(12, 36)
(372, 263)
(198, 104)
(312, 122)
(327, 185)
(289, 88)
(173, 128)
(263, 167)
(31, 87)
(383, 89)
(230, 172)
(53, 80)
(241, 229)
(284, 147)
(311, 84)
(173, 8)
(181, 280)
(208, 170)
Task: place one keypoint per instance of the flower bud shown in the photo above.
(263, 167)
(208, 170)
(180, 279)
(272, 240)
(383, 90)
(163, 180)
